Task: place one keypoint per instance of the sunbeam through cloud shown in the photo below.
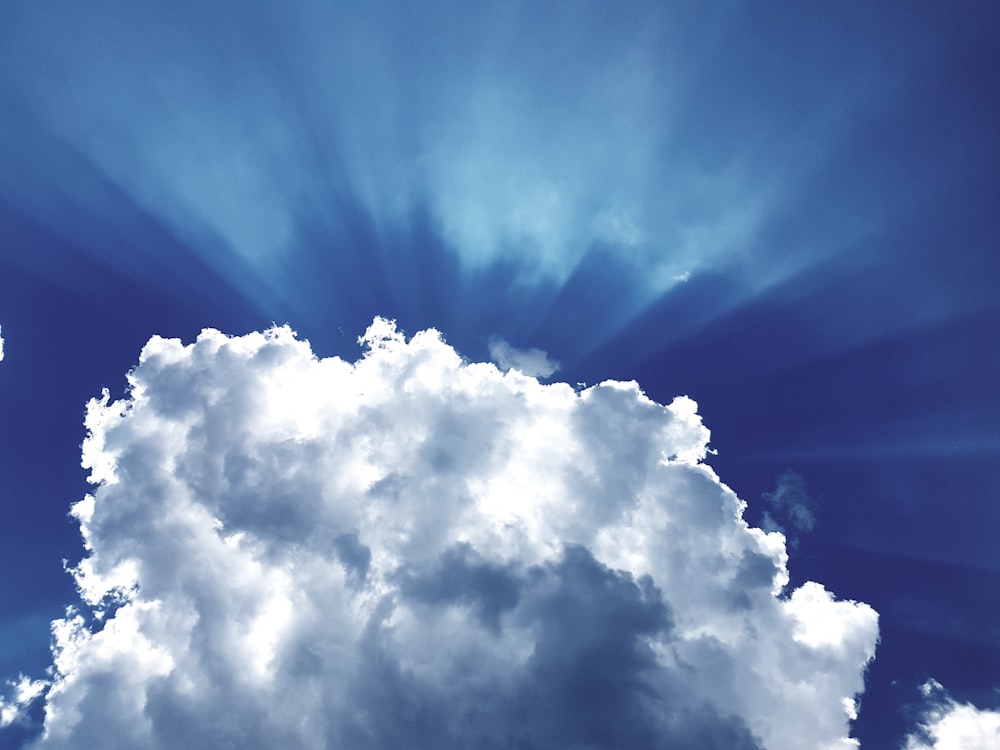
(786, 211)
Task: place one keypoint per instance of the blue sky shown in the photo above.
(786, 212)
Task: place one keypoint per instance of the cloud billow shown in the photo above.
(949, 725)
(415, 550)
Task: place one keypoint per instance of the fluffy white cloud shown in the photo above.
(948, 725)
(533, 362)
(416, 551)
(1, 347)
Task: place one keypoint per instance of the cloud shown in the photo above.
(1, 347)
(793, 511)
(948, 725)
(22, 692)
(414, 550)
(532, 362)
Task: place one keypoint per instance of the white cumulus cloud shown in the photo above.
(948, 725)
(412, 550)
(1, 346)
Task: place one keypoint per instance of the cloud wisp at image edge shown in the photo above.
(283, 550)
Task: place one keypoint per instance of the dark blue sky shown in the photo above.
(786, 211)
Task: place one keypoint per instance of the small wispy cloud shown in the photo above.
(792, 511)
(532, 362)
(21, 694)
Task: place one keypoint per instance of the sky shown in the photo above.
(556, 374)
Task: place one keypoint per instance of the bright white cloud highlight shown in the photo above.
(416, 551)
(948, 725)
(1, 346)
(532, 362)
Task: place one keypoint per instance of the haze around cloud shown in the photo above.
(288, 551)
